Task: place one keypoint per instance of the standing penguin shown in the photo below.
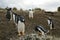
(50, 23)
(21, 25)
(14, 17)
(9, 14)
(30, 14)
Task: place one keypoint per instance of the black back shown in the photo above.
(18, 18)
(8, 15)
(40, 27)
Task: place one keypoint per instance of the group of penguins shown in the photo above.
(20, 23)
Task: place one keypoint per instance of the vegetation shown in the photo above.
(14, 8)
(37, 9)
(1, 8)
(58, 9)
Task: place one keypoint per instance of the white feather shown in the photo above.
(21, 26)
(14, 18)
(30, 14)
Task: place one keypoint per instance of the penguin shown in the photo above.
(41, 29)
(21, 25)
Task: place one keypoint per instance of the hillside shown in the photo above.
(8, 29)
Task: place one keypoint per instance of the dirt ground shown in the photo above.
(8, 28)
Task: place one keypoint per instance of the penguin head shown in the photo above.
(9, 9)
(37, 28)
(21, 18)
